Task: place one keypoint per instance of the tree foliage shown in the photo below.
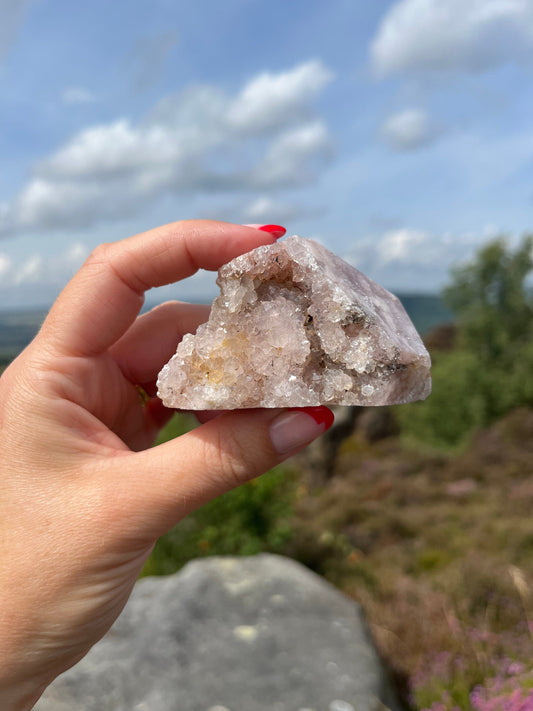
(493, 301)
(490, 371)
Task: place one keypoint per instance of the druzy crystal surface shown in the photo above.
(295, 325)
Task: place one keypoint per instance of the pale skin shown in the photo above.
(83, 497)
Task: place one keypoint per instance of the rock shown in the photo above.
(295, 325)
(232, 634)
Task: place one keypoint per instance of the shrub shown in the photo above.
(251, 519)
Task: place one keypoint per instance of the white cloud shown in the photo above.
(292, 157)
(112, 149)
(409, 129)
(269, 100)
(5, 218)
(75, 255)
(42, 269)
(46, 204)
(188, 143)
(413, 260)
(404, 245)
(30, 271)
(453, 35)
(5, 267)
(38, 278)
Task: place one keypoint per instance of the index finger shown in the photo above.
(102, 300)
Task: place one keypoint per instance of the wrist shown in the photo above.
(22, 679)
(19, 696)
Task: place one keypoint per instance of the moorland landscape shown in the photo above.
(424, 513)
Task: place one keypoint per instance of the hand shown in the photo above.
(82, 499)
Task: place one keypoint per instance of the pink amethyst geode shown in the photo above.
(295, 325)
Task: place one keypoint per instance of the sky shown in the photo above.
(398, 133)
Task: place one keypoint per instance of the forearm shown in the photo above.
(26, 669)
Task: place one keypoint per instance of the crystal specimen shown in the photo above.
(295, 325)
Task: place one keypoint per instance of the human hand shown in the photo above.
(82, 498)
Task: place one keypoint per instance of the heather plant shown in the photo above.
(445, 659)
(436, 547)
(510, 690)
(438, 550)
(514, 693)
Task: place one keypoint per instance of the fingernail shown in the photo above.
(276, 231)
(297, 427)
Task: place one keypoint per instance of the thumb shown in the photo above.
(169, 481)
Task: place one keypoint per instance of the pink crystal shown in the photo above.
(295, 325)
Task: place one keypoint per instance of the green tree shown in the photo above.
(490, 371)
(493, 301)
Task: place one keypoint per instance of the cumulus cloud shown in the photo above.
(453, 35)
(30, 271)
(409, 259)
(409, 129)
(42, 270)
(201, 141)
(269, 100)
(38, 278)
(5, 267)
(404, 245)
(293, 155)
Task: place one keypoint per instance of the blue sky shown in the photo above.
(397, 132)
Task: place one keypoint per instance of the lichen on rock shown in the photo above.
(295, 325)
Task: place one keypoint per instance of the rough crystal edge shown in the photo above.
(415, 383)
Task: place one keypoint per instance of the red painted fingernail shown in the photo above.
(321, 415)
(276, 231)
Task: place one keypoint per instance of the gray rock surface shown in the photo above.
(230, 634)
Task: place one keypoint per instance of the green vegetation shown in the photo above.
(437, 547)
(245, 521)
(490, 371)
(428, 526)
(429, 529)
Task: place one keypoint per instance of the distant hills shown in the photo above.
(426, 311)
(17, 328)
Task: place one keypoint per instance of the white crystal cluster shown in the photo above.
(294, 325)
